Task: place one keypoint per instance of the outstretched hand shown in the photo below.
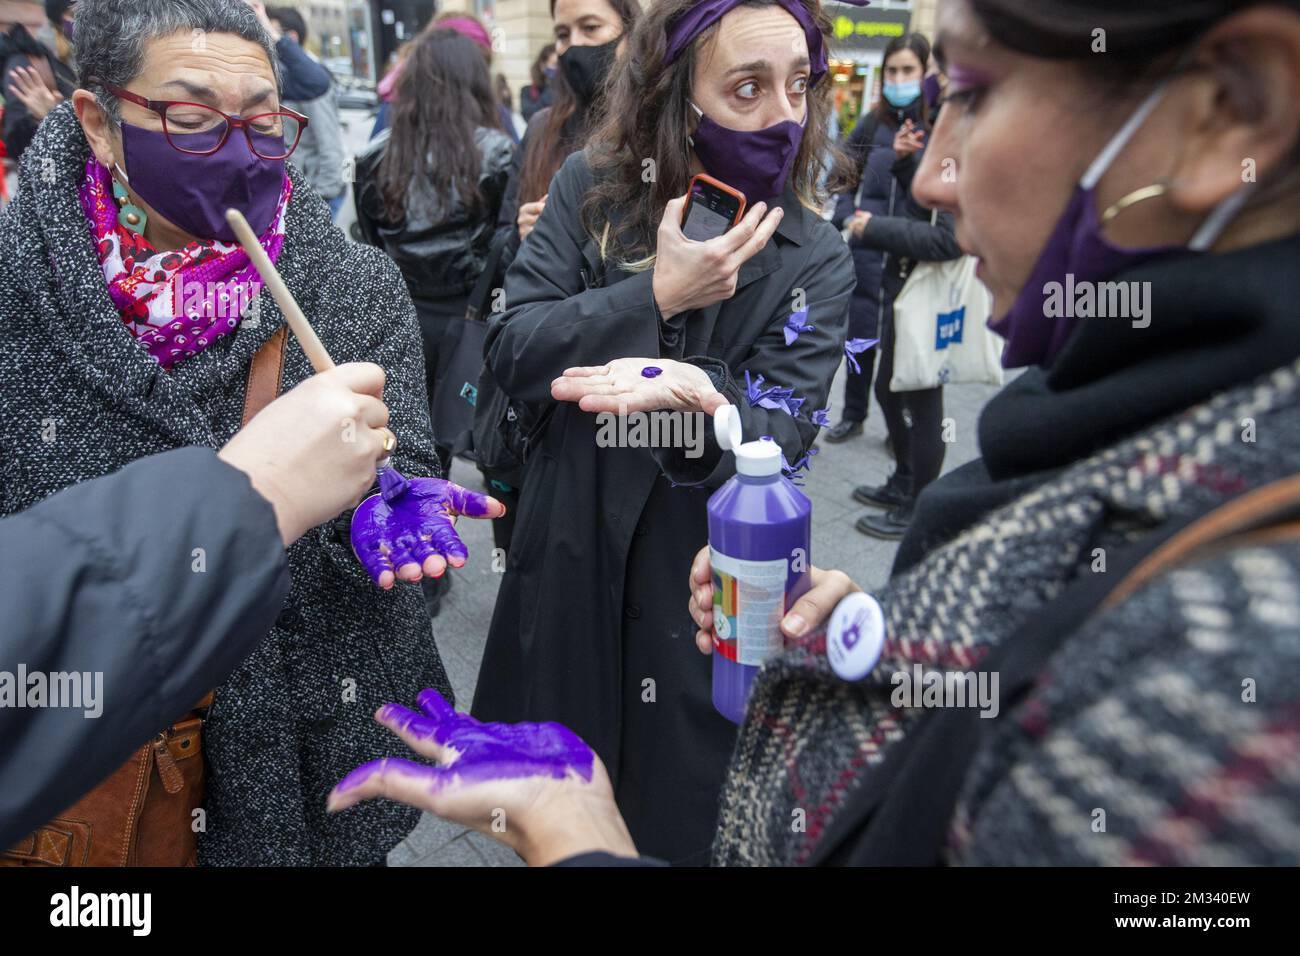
(639, 385)
(537, 788)
(414, 535)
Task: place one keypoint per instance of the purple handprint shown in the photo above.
(411, 522)
(473, 752)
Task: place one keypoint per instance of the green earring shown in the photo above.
(131, 216)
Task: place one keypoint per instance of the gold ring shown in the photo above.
(390, 440)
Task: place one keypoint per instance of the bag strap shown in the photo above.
(902, 814)
(264, 375)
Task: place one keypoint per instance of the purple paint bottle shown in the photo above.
(760, 537)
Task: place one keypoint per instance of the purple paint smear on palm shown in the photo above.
(651, 371)
(487, 752)
(406, 524)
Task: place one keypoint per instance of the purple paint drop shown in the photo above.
(651, 371)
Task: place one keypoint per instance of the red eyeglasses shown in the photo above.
(201, 130)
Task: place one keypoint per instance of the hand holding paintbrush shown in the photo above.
(408, 530)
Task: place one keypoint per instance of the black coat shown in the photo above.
(441, 243)
(591, 626)
(112, 548)
(871, 145)
(296, 715)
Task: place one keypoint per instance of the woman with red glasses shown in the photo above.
(131, 322)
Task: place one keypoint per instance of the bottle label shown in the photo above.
(748, 604)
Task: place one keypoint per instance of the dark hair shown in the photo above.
(918, 44)
(536, 71)
(289, 19)
(443, 95)
(504, 96)
(647, 114)
(1137, 32)
(564, 126)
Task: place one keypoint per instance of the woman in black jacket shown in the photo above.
(1159, 728)
(587, 628)
(429, 188)
(871, 146)
(908, 234)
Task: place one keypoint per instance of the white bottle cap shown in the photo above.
(855, 636)
(758, 459)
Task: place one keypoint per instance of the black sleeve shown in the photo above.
(303, 77)
(161, 594)
(365, 198)
(600, 858)
(509, 214)
(916, 239)
(552, 321)
(808, 366)
(19, 125)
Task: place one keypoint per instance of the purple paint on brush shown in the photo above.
(391, 482)
(652, 371)
(484, 753)
(414, 524)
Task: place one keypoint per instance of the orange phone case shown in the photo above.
(705, 177)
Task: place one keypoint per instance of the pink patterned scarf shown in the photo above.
(174, 303)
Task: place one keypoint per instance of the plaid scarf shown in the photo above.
(810, 740)
(176, 304)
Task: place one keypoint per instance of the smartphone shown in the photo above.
(712, 207)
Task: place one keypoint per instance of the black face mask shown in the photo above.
(585, 68)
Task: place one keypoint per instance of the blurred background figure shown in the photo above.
(429, 189)
(539, 93)
(871, 145)
(35, 77)
(320, 151)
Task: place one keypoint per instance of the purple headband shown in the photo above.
(683, 31)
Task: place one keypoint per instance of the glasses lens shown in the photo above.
(192, 128)
(274, 135)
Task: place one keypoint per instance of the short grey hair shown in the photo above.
(112, 35)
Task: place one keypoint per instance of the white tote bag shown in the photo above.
(941, 333)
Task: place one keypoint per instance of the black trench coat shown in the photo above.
(591, 627)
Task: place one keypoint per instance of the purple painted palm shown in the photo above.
(472, 752)
(411, 522)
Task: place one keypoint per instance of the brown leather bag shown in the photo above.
(143, 814)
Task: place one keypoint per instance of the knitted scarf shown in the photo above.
(175, 304)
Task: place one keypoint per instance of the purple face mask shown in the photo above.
(757, 162)
(194, 192)
(1078, 253)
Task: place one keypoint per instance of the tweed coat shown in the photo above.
(82, 399)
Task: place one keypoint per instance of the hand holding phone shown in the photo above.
(692, 274)
(712, 207)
